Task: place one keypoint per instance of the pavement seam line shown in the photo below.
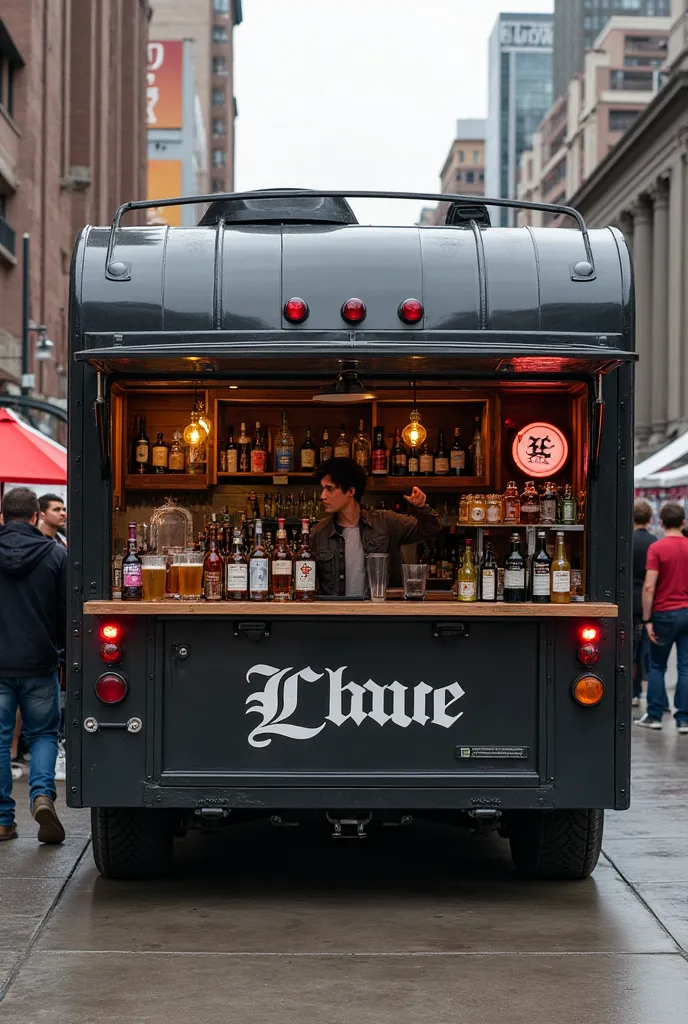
(636, 892)
(241, 954)
(4, 989)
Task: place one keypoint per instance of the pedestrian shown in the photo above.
(52, 517)
(642, 539)
(665, 617)
(33, 594)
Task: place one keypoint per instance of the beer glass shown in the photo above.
(172, 589)
(415, 577)
(154, 574)
(377, 566)
(190, 575)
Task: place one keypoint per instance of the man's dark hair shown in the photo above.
(642, 513)
(19, 503)
(44, 500)
(344, 473)
(672, 515)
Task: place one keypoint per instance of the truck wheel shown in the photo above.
(556, 844)
(130, 843)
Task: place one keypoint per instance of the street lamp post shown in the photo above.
(44, 348)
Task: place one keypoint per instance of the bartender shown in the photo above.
(341, 541)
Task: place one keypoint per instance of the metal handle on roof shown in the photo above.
(116, 270)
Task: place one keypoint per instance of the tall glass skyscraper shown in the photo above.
(520, 94)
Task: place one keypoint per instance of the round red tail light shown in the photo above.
(110, 631)
(295, 310)
(590, 633)
(411, 310)
(111, 654)
(589, 654)
(111, 688)
(354, 310)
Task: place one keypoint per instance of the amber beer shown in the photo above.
(191, 576)
(153, 577)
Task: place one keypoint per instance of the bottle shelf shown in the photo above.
(426, 483)
(269, 477)
(165, 482)
(561, 527)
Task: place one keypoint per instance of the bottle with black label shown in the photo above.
(540, 571)
(441, 466)
(399, 459)
(457, 455)
(160, 455)
(488, 572)
(515, 572)
(140, 457)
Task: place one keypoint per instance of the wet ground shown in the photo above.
(426, 924)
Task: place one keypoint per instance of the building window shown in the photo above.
(621, 120)
(218, 126)
(220, 35)
(219, 158)
(461, 156)
(219, 65)
(221, 6)
(218, 97)
(10, 61)
(631, 81)
(459, 175)
(218, 185)
(6, 232)
(470, 177)
(476, 156)
(482, 177)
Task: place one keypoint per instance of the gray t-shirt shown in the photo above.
(354, 562)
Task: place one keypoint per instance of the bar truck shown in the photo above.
(211, 370)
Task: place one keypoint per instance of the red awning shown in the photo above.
(27, 456)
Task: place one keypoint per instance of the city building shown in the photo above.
(464, 168)
(520, 94)
(72, 149)
(577, 24)
(599, 105)
(641, 186)
(209, 25)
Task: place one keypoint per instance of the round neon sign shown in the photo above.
(540, 450)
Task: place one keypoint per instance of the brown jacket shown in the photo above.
(380, 532)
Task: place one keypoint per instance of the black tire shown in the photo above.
(132, 843)
(556, 844)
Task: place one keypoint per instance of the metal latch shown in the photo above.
(348, 828)
(253, 630)
(181, 651)
(448, 630)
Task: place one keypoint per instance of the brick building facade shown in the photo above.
(72, 148)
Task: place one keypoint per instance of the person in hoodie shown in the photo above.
(33, 629)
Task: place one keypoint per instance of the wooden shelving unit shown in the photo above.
(165, 482)
(426, 483)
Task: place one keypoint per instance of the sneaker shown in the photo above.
(17, 771)
(60, 764)
(682, 728)
(50, 828)
(647, 722)
(635, 703)
(8, 832)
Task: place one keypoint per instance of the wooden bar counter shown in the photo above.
(392, 608)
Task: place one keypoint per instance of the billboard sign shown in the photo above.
(164, 84)
(519, 35)
(164, 182)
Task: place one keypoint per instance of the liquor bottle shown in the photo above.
(236, 570)
(116, 573)
(468, 576)
(478, 450)
(141, 449)
(304, 567)
(160, 455)
(326, 449)
(441, 465)
(561, 573)
(432, 563)
(488, 572)
(132, 572)
(426, 461)
(398, 462)
(341, 445)
(281, 565)
(284, 448)
(515, 574)
(512, 503)
(379, 454)
(569, 512)
(232, 453)
(213, 566)
(530, 505)
(360, 448)
(548, 505)
(259, 456)
(457, 455)
(308, 452)
(414, 462)
(196, 455)
(258, 567)
(243, 451)
(540, 566)
(176, 460)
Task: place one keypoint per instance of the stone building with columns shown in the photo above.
(642, 187)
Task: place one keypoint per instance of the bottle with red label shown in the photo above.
(132, 570)
(380, 455)
(281, 565)
(304, 567)
(213, 569)
(512, 503)
(258, 452)
(530, 504)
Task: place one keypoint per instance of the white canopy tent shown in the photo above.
(652, 472)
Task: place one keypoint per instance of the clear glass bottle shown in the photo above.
(468, 576)
(540, 583)
(427, 460)
(494, 511)
(530, 505)
(281, 565)
(569, 510)
(341, 445)
(561, 573)
(304, 567)
(176, 462)
(414, 462)
(236, 571)
(258, 567)
(284, 448)
(548, 505)
(515, 572)
(464, 507)
(512, 503)
(478, 450)
(361, 447)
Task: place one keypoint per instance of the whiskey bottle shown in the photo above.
(468, 576)
(379, 454)
(515, 574)
(512, 503)
(259, 456)
(141, 450)
(540, 571)
(236, 570)
(360, 448)
(212, 569)
(284, 448)
(243, 451)
(116, 573)
(561, 573)
(232, 454)
(488, 572)
(478, 450)
(569, 512)
(326, 449)
(426, 461)
(176, 461)
(441, 466)
(398, 459)
(281, 565)
(132, 572)
(414, 462)
(530, 505)
(258, 567)
(160, 454)
(341, 445)
(308, 452)
(548, 505)
(304, 567)
(457, 455)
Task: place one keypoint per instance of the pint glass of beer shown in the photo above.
(190, 575)
(174, 557)
(154, 573)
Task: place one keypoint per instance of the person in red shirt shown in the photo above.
(665, 617)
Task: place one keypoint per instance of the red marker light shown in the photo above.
(110, 631)
(354, 310)
(111, 688)
(295, 310)
(411, 310)
(110, 653)
(590, 633)
(589, 654)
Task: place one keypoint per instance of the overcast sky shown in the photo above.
(359, 94)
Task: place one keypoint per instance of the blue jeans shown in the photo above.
(670, 628)
(38, 699)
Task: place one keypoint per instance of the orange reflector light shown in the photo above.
(110, 631)
(588, 690)
(590, 633)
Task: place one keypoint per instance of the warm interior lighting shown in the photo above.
(193, 432)
(347, 388)
(414, 433)
(203, 420)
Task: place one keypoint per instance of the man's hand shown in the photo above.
(416, 497)
(651, 633)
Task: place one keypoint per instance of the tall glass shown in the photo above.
(154, 575)
(377, 566)
(415, 577)
(172, 588)
(190, 575)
